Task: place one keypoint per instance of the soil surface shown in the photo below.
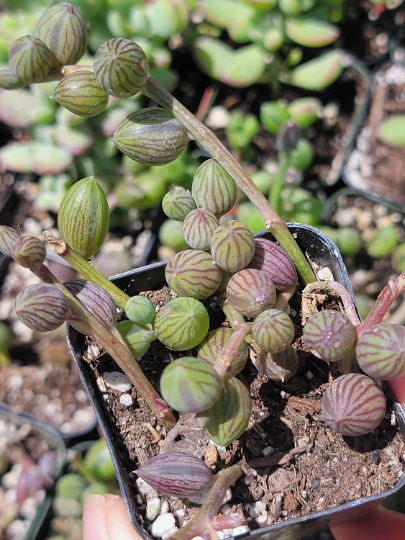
(293, 461)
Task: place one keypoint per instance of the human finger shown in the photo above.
(381, 523)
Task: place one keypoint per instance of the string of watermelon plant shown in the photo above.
(224, 258)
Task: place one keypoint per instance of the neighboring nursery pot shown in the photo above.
(374, 161)
(321, 251)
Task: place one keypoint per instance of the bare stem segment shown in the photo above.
(210, 142)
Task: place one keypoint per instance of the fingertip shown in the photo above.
(94, 518)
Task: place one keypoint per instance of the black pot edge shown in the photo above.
(357, 124)
(38, 524)
(319, 247)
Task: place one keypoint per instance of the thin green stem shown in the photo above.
(86, 270)
(276, 188)
(210, 142)
(111, 340)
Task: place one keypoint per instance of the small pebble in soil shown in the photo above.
(165, 523)
(145, 489)
(117, 381)
(126, 400)
(153, 508)
(268, 450)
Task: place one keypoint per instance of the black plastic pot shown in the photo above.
(321, 250)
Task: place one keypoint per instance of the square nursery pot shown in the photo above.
(46, 436)
(320, 250)
(372, 166)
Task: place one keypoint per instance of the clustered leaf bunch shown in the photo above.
(252, 280)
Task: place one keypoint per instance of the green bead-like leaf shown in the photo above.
(42, 307)
(137, 338)
(251, 291)
(210, 348)
(213, 188)
(281, 366)
(141, 191)
(29, 251)
(305, 111)
(273, 330)
(392, 130)
(319, 73)
(198, 228)
(9, 81)
(30, 59)
(140, 310)
(80, 93)
(330, 334)
(63, 29)
(193, 273)
(382, 241)
(84, 218)
(151, 136)
(121, 67)
(232, 246)
(353, 405)
(273, 115)
(190, 385)
(228, 418)
(311, 32)
(178, 203)
(380, 351)
(182, 324)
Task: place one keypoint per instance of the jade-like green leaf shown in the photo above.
(222, 13)
(392, 130)
(72, 140)
(317, 74)
(310, 32)
(246, 66)
(20, 108)
(166, 17)
(212, 55)
(18, 157)
(49, 159)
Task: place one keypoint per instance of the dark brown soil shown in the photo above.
(294, 463)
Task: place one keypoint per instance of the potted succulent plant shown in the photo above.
(236, 277)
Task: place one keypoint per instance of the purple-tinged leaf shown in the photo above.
(29, 251)
(273, 330)
(251, 292)
(232, 246)
(283, 365)
(210, 348)
(42, 307)
(198, 228)
(213, 188)
(353, 405)
(8, 237)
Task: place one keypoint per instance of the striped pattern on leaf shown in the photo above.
(250, 292)
(182, 324)
(63, 29)
(190, 385)
(29, 251)
(381, 351)
(29, 59)
(273, 330)
(137, 338)
(228, 418)
(330, 334)
(8, 237)
(213, 188)
(95, 299)
(271, 258)
(281, 366)
(210, 348)
(176, 474)
(198, 228)
(353, 405)
(151, 136)
(80, 93)
(193, 273)
(120, 67)
(84, 217)
(42, 307)
(232, 246)
(177, 203)
(8, 81)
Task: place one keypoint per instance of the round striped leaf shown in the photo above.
(63, 29)
(182, 324)
(232, 246)
(281, 366)
(190, 385)
(178, 203)
(83, 217)
(140, 310)
(8, 237)
(95, 299)
(42, 307)
(198, 228)
(120, 67)
(29, 251)
(29, 59)
(210, 348)
(380, 351)
(193, 273)
(151, 137)
(213, 188)
(9, 81)
(250, 292)
(136, 337)
(273, 330)
(353, 405)
(228, 418)
(80, 93)
(271, 258)
(330, 334)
